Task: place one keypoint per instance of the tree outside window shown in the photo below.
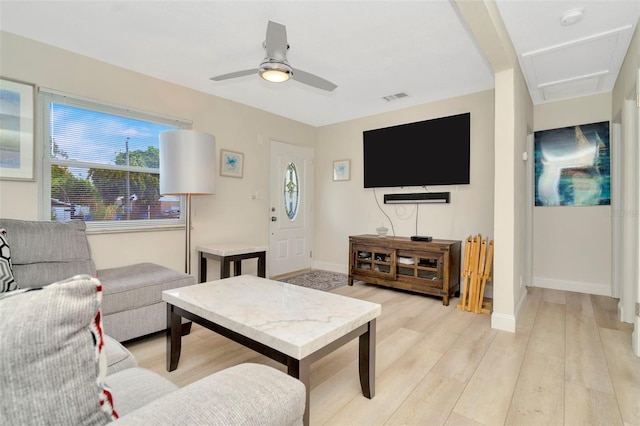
(104, 167)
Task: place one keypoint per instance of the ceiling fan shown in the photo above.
(275, 67)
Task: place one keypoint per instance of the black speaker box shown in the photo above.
(417, 197)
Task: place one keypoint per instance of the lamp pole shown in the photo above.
(187, 167)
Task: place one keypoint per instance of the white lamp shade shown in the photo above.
(187, 162)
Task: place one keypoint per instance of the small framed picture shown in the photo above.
(17, 111)
(231, 163)
(341, 170)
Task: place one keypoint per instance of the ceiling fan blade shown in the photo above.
(313, 80)
(276, 41)
(234, 75)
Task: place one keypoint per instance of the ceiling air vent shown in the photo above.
(395, 97)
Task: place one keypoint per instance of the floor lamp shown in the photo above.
(187, 167)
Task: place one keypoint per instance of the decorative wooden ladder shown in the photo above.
(478, 262)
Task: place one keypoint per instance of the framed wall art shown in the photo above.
(17, 110)
(341, 170)
(572, 166)
(231, 163)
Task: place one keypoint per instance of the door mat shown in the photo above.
(318, 280)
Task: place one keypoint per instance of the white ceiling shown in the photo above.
(561, 62)
(370, 49)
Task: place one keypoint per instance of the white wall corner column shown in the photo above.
(503, 316)
(485, 23)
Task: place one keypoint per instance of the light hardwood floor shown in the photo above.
(569, 363)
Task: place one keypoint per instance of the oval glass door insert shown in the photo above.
(291, 191)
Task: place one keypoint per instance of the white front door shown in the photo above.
(291, 186)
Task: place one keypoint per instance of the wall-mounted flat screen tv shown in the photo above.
(430, 152)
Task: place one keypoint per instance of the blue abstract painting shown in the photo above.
(573, 166)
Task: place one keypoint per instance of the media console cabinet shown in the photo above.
(424, 267)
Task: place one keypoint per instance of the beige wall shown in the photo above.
(572, 245)
(341, 208)
(347, 208)
(231, 214)
(493, 204)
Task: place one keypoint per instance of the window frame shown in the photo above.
(44, 98)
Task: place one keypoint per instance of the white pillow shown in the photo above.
(52, 362)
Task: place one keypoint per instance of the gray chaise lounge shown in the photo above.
(45, 252)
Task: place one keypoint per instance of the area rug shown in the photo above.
(319, 280)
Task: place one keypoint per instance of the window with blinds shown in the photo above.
(101, 164)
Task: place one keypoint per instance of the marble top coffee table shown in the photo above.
(290, 324)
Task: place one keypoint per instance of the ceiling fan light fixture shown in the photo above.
(275, 72)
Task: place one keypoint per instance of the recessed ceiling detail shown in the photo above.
(560, 71)
(569, 61)
(572, 88)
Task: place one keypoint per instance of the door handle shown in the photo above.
(273, 218)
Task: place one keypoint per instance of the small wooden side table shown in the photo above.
(225, 253)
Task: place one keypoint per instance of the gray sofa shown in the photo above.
(59, 366)
(243, 394)
(45, 252)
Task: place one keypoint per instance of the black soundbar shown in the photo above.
(417, 197)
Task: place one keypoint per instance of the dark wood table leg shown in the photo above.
(301, 370)
(174, 338)
(262, 264)
(203, 268)
(367, 360)
(225, 268)
(237, 267)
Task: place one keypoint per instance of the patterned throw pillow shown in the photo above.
(53, 364)
(7, 282)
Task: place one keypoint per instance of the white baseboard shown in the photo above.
(332, 267)
(507, 322)
(577, 286)
(503, 322)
